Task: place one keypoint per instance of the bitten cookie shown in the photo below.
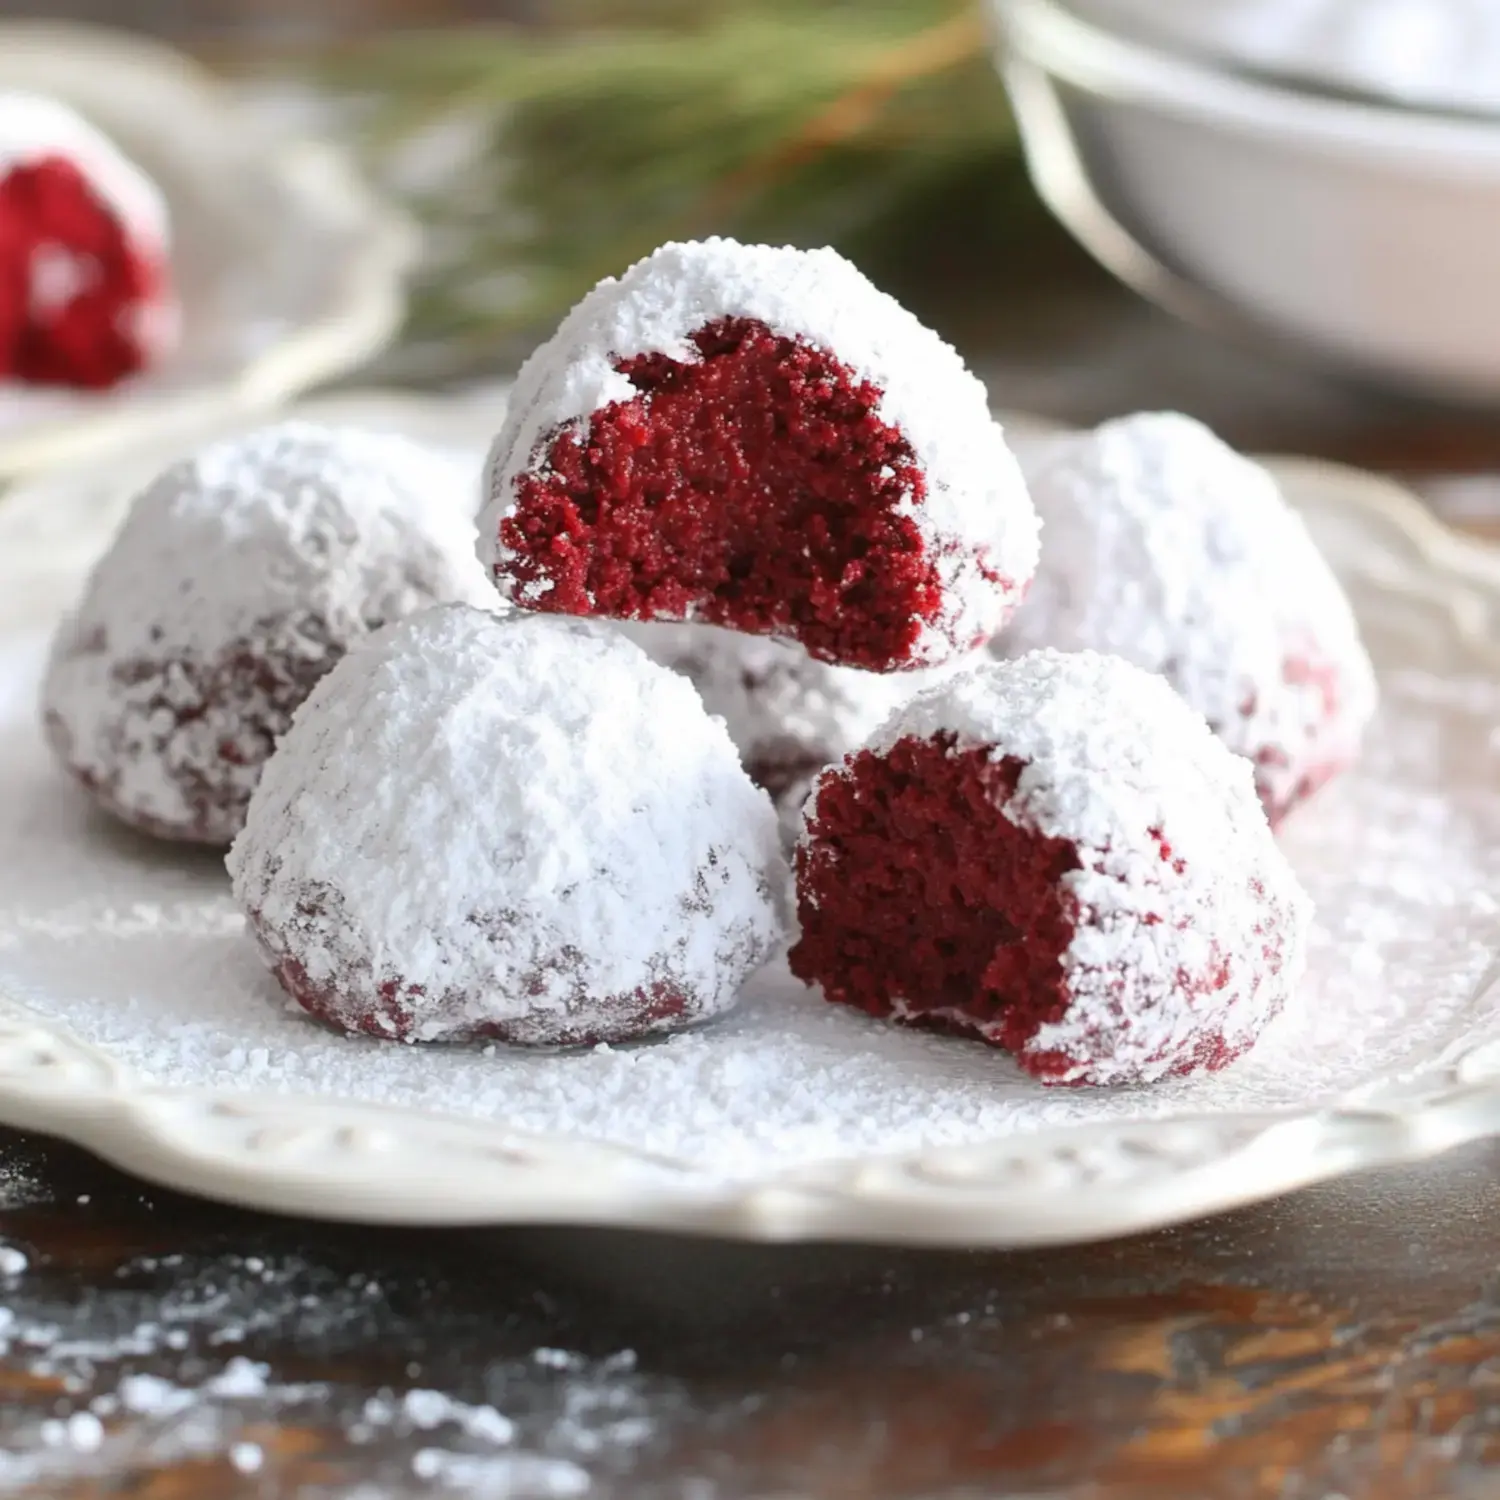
(760, 439)
(86, 287)
(1055, 855)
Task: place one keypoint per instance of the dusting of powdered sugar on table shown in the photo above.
(551, 1421)
(140, 951)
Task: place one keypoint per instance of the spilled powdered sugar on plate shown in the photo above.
(140, 951)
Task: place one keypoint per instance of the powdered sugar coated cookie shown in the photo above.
(758, 438)
(517, 828)
(1166, 547)
(1056, 855)
(788, 713)
(240, 576)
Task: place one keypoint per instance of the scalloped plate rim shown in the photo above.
(934, 1197)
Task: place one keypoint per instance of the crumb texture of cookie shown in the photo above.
(86, 285)
(240, 576)
(511, 828)
(760, 439)
(1168, 548)
(1053, 854)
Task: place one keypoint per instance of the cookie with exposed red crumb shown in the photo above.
(1053, 854)
(759, 439)
(240, 576)
(86, 293)
(1166, 547)
(518, 829)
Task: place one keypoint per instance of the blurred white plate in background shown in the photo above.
(290, 269)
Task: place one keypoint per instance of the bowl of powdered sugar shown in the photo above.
(1321, 173)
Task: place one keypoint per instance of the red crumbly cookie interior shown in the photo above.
(86, 337)
(755, 488)
(919, 900)
(384, 1008)
(916, 896)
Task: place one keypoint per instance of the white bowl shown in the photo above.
(1362, 234)
(290, 269)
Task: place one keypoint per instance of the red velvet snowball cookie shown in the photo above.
(239, 578)
(511, 828)
(86, 293)
(1053, 854)
(1166, 547)
(760, 439)
(788, 714)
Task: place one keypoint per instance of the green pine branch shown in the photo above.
(558, 156)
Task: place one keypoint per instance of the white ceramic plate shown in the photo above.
(289, 269)
(149, 1033)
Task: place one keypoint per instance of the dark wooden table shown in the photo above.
(1342, 1342)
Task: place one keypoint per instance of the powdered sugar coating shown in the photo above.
(1166, 547)
(976, 508)
(1430, 54)
(34, 128)
(788, 713)
(1118, 766)
(513, 827)
(240, 576)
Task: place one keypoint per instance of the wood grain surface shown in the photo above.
(1344, 1342)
